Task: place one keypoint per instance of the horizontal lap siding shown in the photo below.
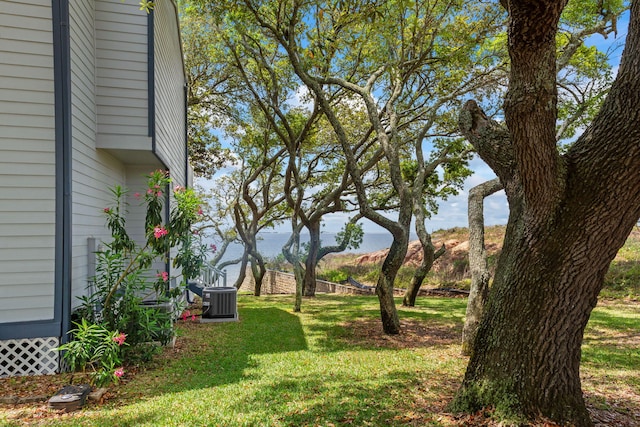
(169, 100)
(169, 87)
(27, 161)
(137, 183)
(121, 64)
(94, 171)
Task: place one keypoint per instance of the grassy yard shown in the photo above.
(332, 366)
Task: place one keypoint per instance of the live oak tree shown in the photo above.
(217, 222)
(396, 59)
(210, 86)
(312, 184)
(584, 77)
(324, 186)
(257, 186)
(569, 215)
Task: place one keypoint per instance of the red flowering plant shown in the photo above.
(124, 280)
(97, 350)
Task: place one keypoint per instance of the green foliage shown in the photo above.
(350, 236)
(334, 276)
(96, 348)
(123, 280)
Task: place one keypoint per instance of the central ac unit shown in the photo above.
(219, 304)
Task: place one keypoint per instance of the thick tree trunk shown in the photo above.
(291, 252)
(297, 271)
(309, 281)
(429, 256)
(386, 280)
(258, 268)
(526, 356)
(479, 290)
(567, 220)
(410, 295)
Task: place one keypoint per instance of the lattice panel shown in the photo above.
(34, 356)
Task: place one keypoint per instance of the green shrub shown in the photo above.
(124, 279)
(334, 276)
(95, 348)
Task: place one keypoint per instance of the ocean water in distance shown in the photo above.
(270, 246)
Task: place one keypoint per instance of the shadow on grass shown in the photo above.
(289, 395)
(341, 399)
(622, 319)
(198, 361)
(433, 322)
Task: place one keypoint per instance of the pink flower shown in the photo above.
(213, 247)
(137, 195)
(149, 191)
(164, 275)
(118, 373)
(185, 315)
(178, 188)
(200, 211)
(159, 194)
(159, 231)
(193, 318)
(120, 338)
(107, 210)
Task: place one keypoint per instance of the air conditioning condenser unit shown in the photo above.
(219, 304)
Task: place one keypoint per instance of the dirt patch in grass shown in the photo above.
(413, 334)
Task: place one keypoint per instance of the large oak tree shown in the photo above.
(569, 215)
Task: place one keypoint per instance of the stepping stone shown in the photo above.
(70, 398)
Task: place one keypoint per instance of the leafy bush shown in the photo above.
(96, 348)
(123, 280)
(334, 276)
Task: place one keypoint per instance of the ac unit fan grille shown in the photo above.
(219, 303)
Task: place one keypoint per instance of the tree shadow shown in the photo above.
(197, 362)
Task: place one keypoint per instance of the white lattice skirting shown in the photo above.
(34, 356)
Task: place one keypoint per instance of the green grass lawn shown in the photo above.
(331, 365)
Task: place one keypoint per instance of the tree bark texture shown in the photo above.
(480, 276)
(244, 262)
(429, 255)
(309, 280)
(386, 279)
(259, 270)
(569, 215)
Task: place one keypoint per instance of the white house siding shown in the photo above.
(95, 171)
(122, 75)
(169, 88)
(137, 183)
(169, 96)
(27, 161)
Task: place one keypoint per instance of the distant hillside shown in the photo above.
(622, 281)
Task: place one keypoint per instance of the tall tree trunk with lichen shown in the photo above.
(479, 290)
(569, 215)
